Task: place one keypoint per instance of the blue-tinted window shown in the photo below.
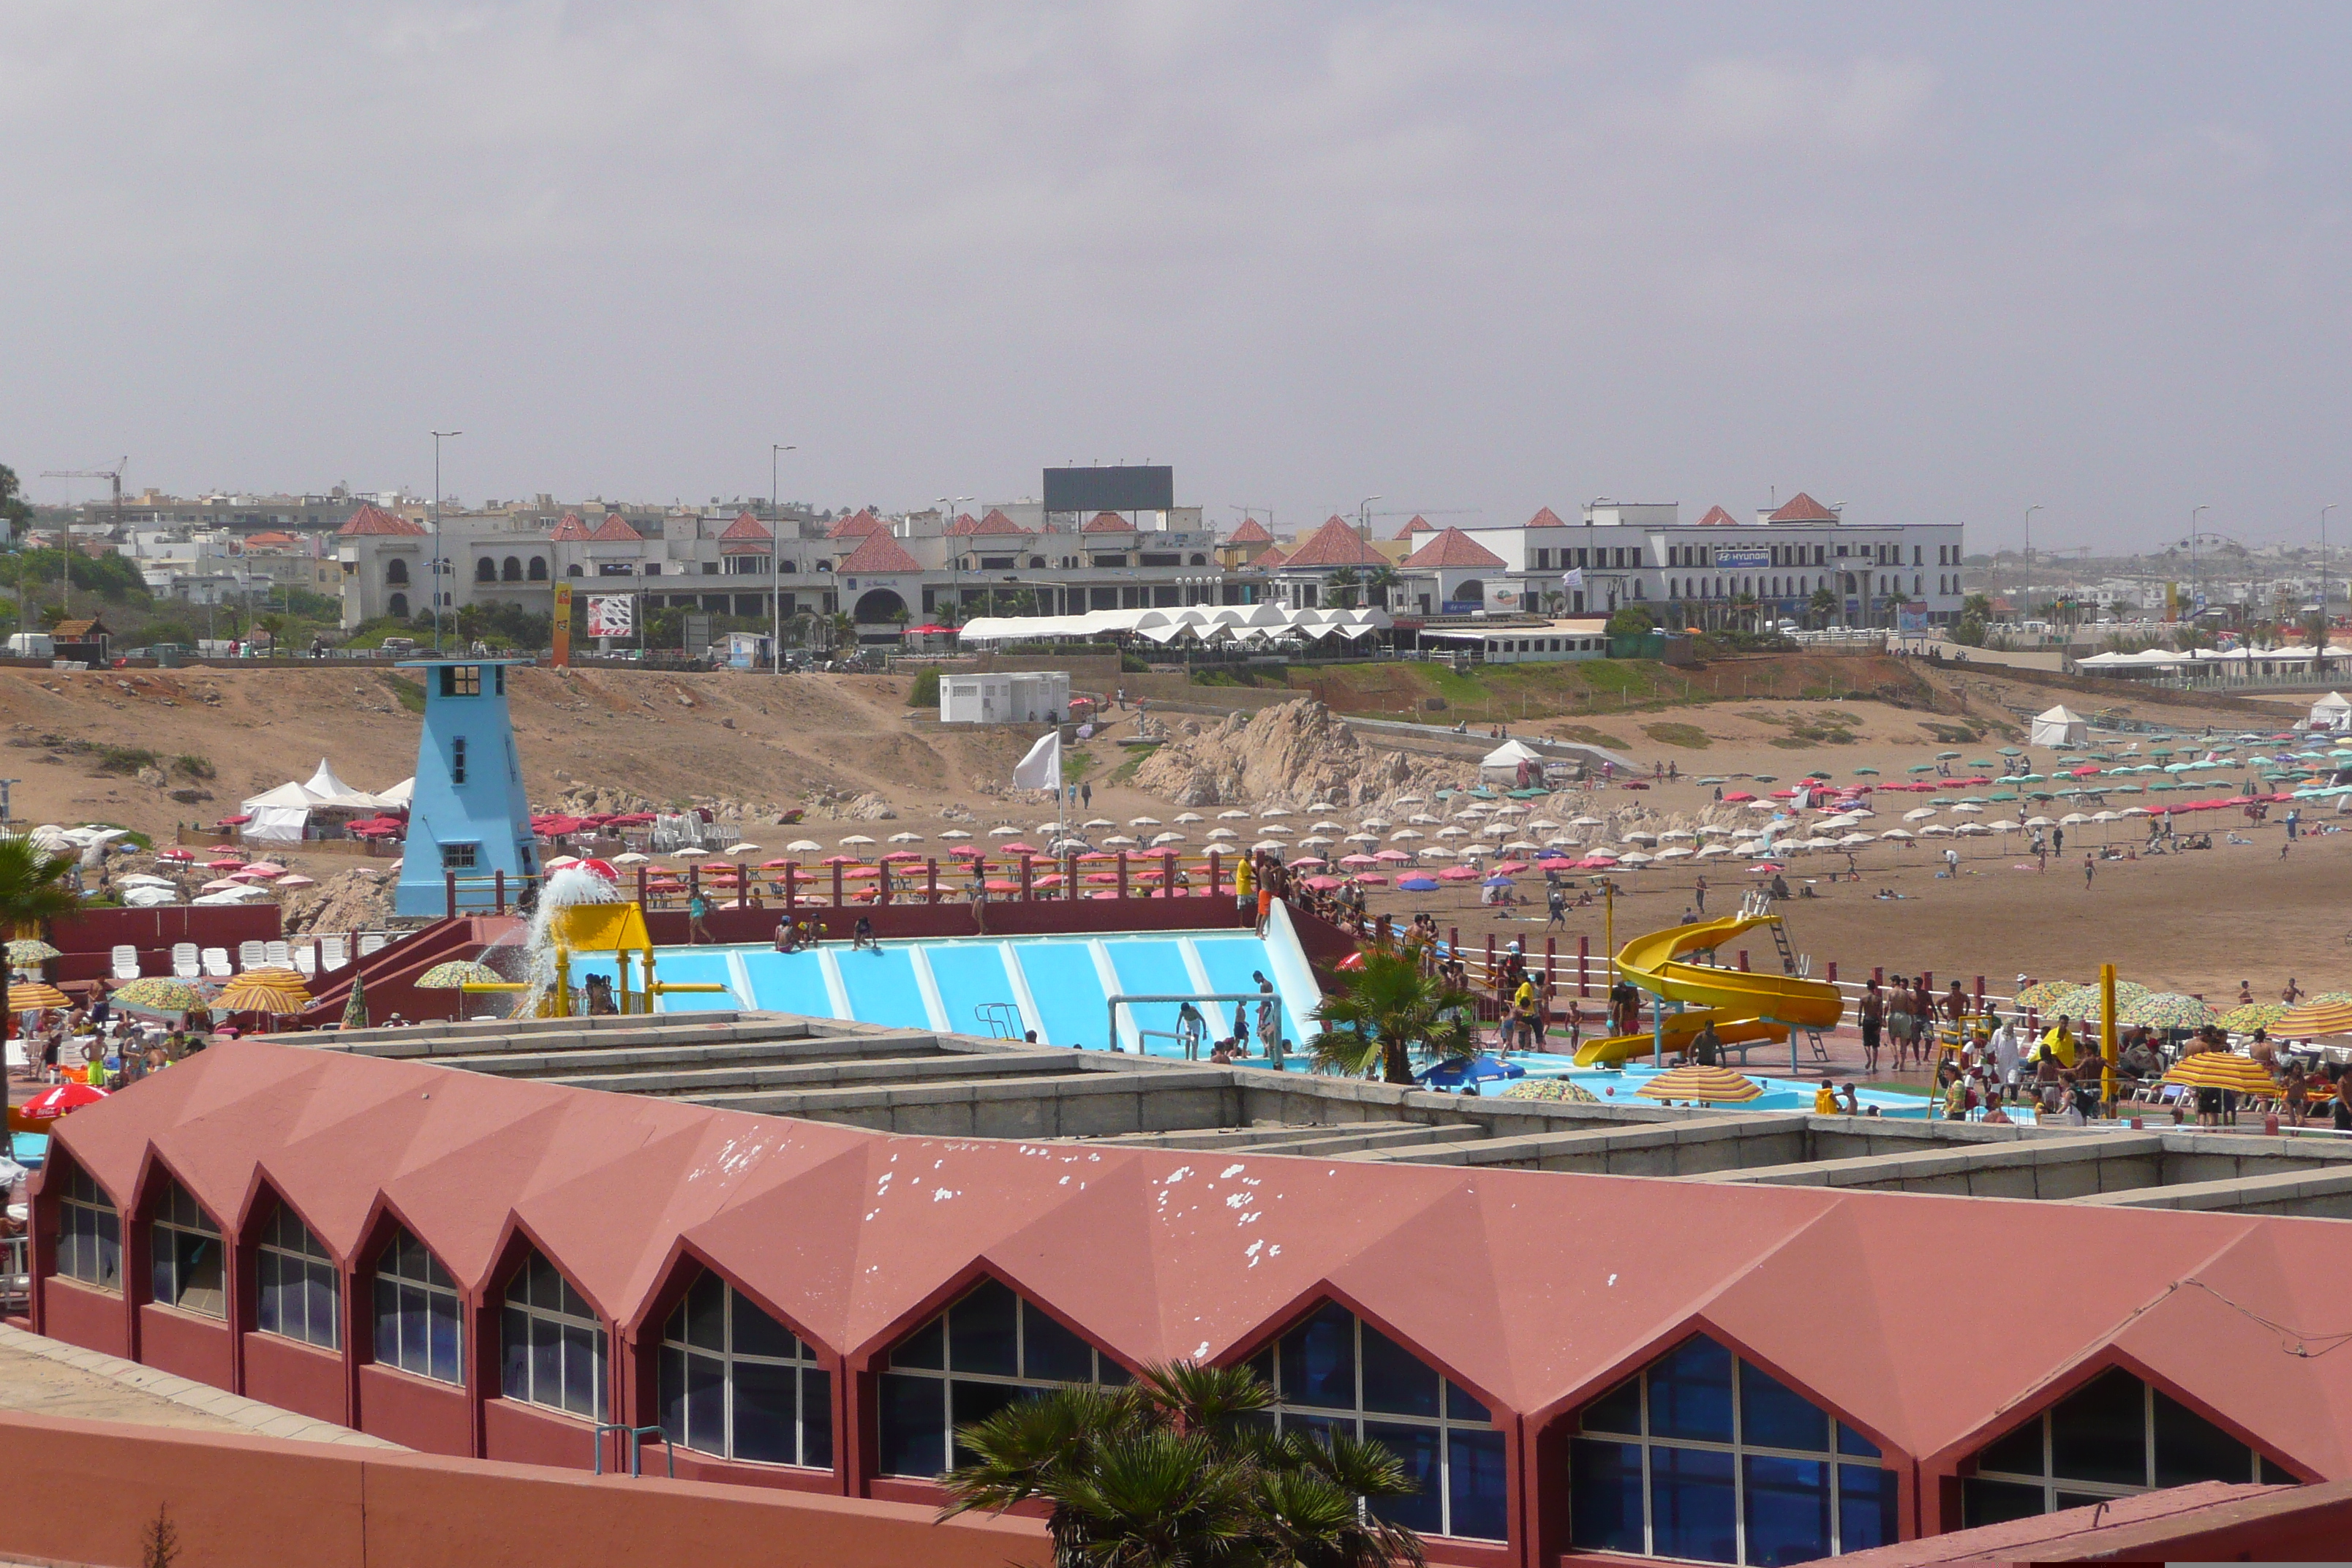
(1693, 1508)
(1334, 1373)
(2112, 1437)
(1690, 1394)
(1788, 1508)
(1852, 1442)
(733, 1382)
(1605, 1511)
(552, 1351)
(1773, 1415)
(987, 1350)
(1619, 1410)
(1866, 1499)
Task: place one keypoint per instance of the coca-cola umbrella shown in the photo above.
(60, 1100)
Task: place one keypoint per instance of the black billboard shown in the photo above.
(1110, 489)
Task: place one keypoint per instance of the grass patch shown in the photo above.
(1588, 735)
(1076, 765)
(1689, 735)
(1126, 770)
(409, 694)
(190, 765)
(125, 760)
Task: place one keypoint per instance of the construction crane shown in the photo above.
(114, 476)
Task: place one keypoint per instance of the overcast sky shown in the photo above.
(1933, 262)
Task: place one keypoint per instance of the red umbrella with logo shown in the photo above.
(52, 1103)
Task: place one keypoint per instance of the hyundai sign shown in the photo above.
(1742, 557)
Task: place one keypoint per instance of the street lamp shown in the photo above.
(776, 449)
(955, 551)
(438, 436)
(1364, 515)
(2195, 513)
(2029, 527)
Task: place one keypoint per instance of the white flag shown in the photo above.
(1042, 768)
(1572, 578)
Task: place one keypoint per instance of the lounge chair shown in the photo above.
(371, 941)
(126, 962)
(184, 962)
(251, 956)
(306, 961)
(334, 952)
(278, 954)
(216, 964)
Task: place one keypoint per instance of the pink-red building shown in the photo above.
(1574, 1367)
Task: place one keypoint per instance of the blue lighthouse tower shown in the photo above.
(469, 815)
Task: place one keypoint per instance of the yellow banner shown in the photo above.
(563, 623)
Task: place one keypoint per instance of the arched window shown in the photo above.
(538, 573)
(89, 1235)
(788, 567)
(185, 1249)
(1334, 1372)
(1199, 559)
(418, 1325)
(573, 571)
(1037, 564)
(301, 1295)
(486, 570)
(398, 607)
(395, 570)
(738, 1384)
(511, 569)
(2111, 1438)
(964, 1365)
(552, 1349)
(1706, 1457)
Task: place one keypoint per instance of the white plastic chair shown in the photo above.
(126, 962)
(371, 941)
(306, 961)
(278, 954)
(185, 963)
(334, 952)
(251, 956)
(217, 965)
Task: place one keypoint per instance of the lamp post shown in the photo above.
(776, 449)
(2029, 527)
(2194, 513)
(2320, 660)
(947, 504)
(438, 436)
(1364, 515)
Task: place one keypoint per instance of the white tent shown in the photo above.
(1506, 758)
(328, 788)
(2061, 726)
(2333, 711)
(279, 814)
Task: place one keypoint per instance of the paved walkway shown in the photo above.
(49, 1378)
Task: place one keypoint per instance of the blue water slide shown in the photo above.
(1152, 967)
(1070, 991)
(692, 966)
(970, 975)
(788, 983)
(882, 987)
(1230, 961)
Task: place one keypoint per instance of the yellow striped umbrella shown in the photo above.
(283, 979)
(2222, 1069)
(2314, 1019)
(1716, 1085)
(36, 996)
(242, 995)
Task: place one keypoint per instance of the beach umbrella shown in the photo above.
(1233, 816)
(36, 996)
(2222, 1069)
(1554, 1089)
(243, 995)
(459, 972)
(52, 1103)
(1454, 1073)
(1393, 857)
(29, 950)
(1459, 873)
(1710, 1086)
(2314, 1017)
(2167, 1010)
(2041, 992)
(155, 994)
(1417, 884)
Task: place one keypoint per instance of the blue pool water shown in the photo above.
(1058, 987)
(1613, 1085)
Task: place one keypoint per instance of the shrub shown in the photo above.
(925, 692)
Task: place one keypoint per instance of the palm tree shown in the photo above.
(1743, 608)
(1378, 1014)
(31, 889)
(1823, 605)
(1380, 583)
(1342, 584)
(1181, 1467)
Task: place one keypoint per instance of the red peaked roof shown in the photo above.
(1419, 524)
(1717, 518)
(878, 555)
(997, 522)
(1453, 548)
(269, 540)
(1536, 1290)
(373, 520)
(1251, 532)
(1269, 557)
(857, 526)
(571, 528)
(1334, 544)
(1802, 508)
(1545, 518)
(747, 535)
(1107, 522)
(615, 529)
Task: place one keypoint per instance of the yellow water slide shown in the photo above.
(1759, 1007)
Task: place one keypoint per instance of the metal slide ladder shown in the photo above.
(1001, 1019)
(1799, 967)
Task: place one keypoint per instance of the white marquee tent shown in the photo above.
(2333, 711)
(1167, 624)
(2061, 726)
(283, 815)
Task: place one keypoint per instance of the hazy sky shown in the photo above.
(1935, 262)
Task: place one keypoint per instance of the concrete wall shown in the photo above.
(252, 1500)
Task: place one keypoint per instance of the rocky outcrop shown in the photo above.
(1291, 753)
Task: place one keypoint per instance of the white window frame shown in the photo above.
(166, 1224)
(439, 1288)
(78, 1235)
(803, 1360)
(302, 1251)
(558, 1319)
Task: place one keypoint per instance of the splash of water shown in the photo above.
(572, 886)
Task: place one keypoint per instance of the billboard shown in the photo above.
(1742, 557)
(563, 623)
(1911, 618)
(612, 615)
(1110, 489)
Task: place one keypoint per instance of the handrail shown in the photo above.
(1116, 999)
(636, 1446)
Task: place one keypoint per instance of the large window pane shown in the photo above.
(388, 1347)
(1692, 1510)
(1319, 1360)
(448, 1335)
(580, 1370)
(2099, 1432)
(705, 1313)
(1996, 1503)
(983, 1332)
(926, 1347)
(1690, 1394)
(1417, 1447)
(1052, 1351)
(2017, 1453)
(706, 1403)
(672, 1395)
(1788, 1510)
(267, 1309)
(1866, 1498)
(974, 1402)
(546, 1361)
(2190, 1449)
(756, 1333)
(1606, 1495)
(911, 1437)
(816, 1420)
(1852, 1442)
(514, 1354)
(1397, 1382)
(765, 1404)
(1478, 1485)
(1774, 1416)
(1619, 1410)
(324, 1311)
